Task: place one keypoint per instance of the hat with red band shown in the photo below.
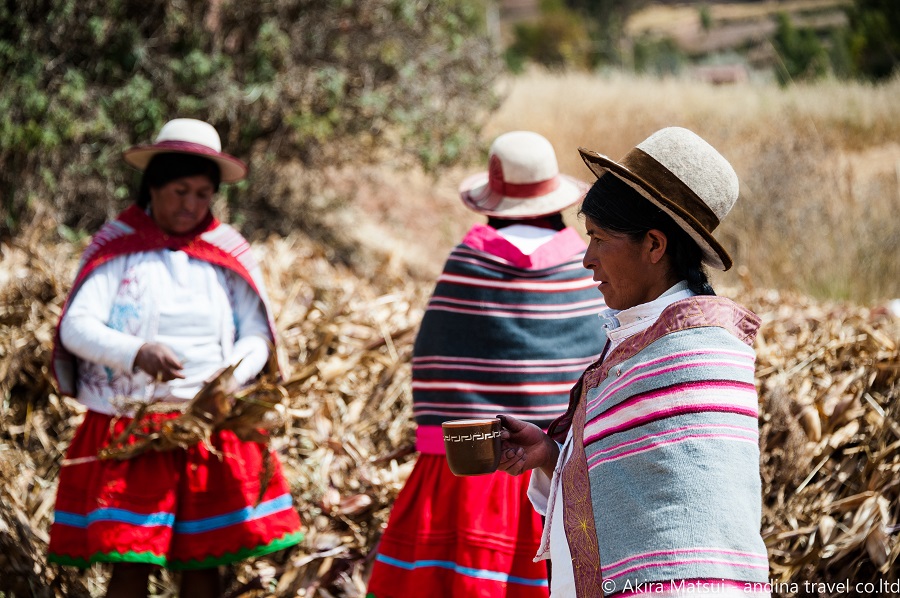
(188, 136)
(522, 180)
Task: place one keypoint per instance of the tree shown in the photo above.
(801, 55)
(607, 25)
(322, 82)
(558, 39)
(875, 37)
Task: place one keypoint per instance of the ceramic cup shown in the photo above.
(473, 445)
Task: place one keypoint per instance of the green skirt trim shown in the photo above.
(108, 557)
(150, 558)
(286, 541)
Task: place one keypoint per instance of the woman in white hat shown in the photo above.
(166, 296)
(650, 482)
(507, 329)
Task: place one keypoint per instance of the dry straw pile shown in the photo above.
(828, 377)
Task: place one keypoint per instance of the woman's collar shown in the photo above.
(615, 318)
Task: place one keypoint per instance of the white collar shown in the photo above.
(620, 324)
(525, 237)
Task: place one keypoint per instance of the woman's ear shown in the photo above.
(655, 242)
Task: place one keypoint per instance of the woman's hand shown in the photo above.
(524, 446)
(159, 361)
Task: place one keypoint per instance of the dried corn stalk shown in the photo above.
(827, 375)
(213, 408)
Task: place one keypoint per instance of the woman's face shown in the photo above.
(180, 205)
(627, 270)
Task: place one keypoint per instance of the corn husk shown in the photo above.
(342, 424)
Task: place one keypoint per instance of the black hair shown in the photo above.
(613, 205)
(164, 168)
(551, 221)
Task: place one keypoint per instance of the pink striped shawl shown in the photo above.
(671, 453)
(504, 332)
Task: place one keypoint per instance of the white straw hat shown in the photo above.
(188, 136)
(522, 181)
(685, 177)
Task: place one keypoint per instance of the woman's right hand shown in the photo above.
(524, 446)
(159, 361)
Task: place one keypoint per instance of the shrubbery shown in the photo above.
(875, 37)
(864, 44)
(800, 52)
(558, 39)
(323, 82)
(869, 48)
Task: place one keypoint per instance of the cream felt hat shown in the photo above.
(685, 177)
(188, 136)
(522, 181)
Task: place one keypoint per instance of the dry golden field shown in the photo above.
(819, 166)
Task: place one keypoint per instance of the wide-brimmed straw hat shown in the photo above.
(522, 180)
(685, 177)
(188, 136)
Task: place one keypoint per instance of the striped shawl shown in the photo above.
(504, 333)
(669, 431)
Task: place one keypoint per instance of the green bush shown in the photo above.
(800, 53)
(558, 39)
(605, 21)
(657, 56)
(705, 15)
(875, 37)
(320, 82)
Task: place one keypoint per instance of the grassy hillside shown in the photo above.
(819, 167)
(668, 18)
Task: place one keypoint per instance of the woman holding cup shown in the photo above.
(650, 481)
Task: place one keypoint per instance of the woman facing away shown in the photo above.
(507, 328)
(650, 482)
(166, 296)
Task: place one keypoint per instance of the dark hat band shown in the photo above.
(669, 187)
(172, 145)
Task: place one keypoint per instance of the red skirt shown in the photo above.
(460, 536)
(182, 509)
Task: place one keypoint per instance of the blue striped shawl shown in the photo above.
(671, 450)
(498, 337)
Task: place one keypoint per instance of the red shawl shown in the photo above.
(133, 231)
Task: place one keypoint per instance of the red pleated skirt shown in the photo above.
(182, 509)
(459, 536)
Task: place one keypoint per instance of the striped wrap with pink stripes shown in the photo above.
(671, 442)
(504, 334)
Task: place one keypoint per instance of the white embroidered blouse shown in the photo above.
(209, 316)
